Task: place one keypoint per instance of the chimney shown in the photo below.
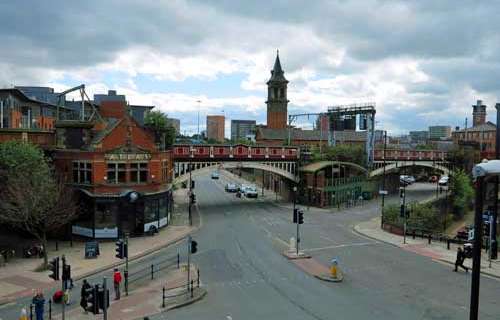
(478, 113)
(113, 109)
(457, 128)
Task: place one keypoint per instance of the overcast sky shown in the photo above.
(422, 62)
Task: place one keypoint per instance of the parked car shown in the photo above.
(405, 180)
(433, 179)
(443, 181)
(251, 192)
(231, 187)
(215, 175)
(411, 179)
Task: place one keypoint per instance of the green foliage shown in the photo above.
(164, 132)
(32, 199)
(422, 216)
(341, 152)
(424, 147)
(463, 158)
(156, 121)
(462, 192)
(245, 142)
(19, 157)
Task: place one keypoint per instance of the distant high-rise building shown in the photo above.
(419, 136)
(215, 128)
(176, 123)
(277, 102)
(439, 132)
(241, 128)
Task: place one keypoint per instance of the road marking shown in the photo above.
(342, 246)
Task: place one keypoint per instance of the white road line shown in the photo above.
(342, 246)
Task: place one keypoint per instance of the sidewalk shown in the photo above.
(147, 300)
(18, 278)
(436, 250)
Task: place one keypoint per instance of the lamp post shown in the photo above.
(383, 183)
(481, 173)
(294, 204)
(192, 150)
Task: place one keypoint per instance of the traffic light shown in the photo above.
(193, 198)
(120, 249)
(100, 299)
(54, 268)
(295, 215)
(194, 246)
(300, 215)
(91, 299)
(192, 184)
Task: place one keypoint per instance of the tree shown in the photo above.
(32, 199)
(462, 192)
(157, 121)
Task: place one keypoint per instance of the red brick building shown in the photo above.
(122, 176)
(215, 128)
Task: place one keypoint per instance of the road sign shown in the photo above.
(471, 234)
(383, 192)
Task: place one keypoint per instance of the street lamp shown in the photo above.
(481, 172)
(192, 150)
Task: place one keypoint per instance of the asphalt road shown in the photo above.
(248, 278)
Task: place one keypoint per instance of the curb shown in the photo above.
(4, 301)
(328, 278)
(188, 302)
(482, 272)
(440, 260)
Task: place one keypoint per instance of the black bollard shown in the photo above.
(178, 260)
(448, 244)
(430, 237)
(413, 234)
(152, 271)
(198, 278)
(192, 288)
(31, 312)
(163, 298)
(50, 309)
(126, 282)
(57, 245)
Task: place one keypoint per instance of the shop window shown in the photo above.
(105, 216)
(116, 173)
(151, 211)
(139, 172)
(82, 172)
(163, 208)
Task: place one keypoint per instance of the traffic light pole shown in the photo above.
(476, 249)
(104, 299)
(126, 264)
(189, 263)
(63, 303)
(383, 183)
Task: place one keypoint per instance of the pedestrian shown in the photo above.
(39, 302)
(84, 294)
(117, 279)
(459, 262)
(66, 297)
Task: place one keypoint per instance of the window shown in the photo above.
(139, 172)
(282, 93)
(82, 172)
(151, 211)
(275, 95)
(116, 172)
(164, 171)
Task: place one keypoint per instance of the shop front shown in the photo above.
(131, 212)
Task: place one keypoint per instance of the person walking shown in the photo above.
(459, 262)
(84, 295)
(39, 302)
(117, 279)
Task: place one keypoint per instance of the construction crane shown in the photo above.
(81, 88)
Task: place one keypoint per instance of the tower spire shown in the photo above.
(277, 74)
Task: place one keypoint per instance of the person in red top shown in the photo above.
(117, 279)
